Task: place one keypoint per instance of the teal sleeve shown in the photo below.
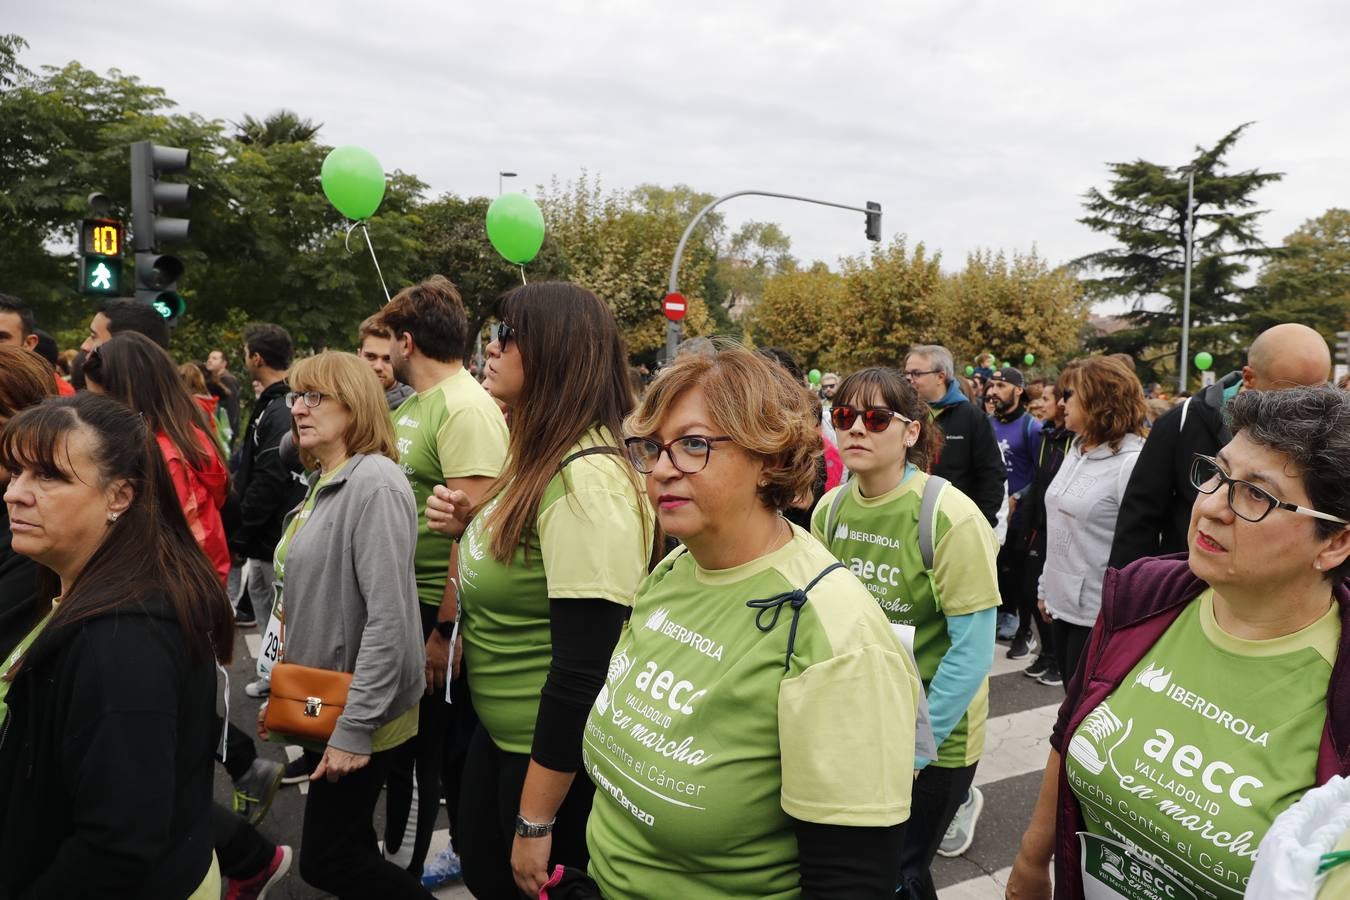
(962, 669)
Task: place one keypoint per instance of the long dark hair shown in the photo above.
(899, 396)
(576, 377)
(135, 370)
(149, 549)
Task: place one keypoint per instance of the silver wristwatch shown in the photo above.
(528, 829)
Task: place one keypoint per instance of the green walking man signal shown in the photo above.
(101, 257)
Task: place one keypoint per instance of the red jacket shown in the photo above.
(201, 493)
(1139, 603)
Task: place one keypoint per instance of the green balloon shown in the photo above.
(353, 181)
(813, 376)
(970, 370)
(516, 227)
(1203, 360)
(1006, 365)
(1029, 359)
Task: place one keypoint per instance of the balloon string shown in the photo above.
(366, 231)
(522, 274)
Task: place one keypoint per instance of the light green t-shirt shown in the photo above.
(14, 655)
(1191, 758)
(592, 539)
(452, 430)
(878, 539)
(703, 748)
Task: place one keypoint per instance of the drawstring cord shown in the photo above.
(1330, 861)
(225, 724)
(796, 599)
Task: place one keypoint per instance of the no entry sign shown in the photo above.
(675, 306)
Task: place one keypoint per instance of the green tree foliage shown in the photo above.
(1308, 281)
(800, 313)
(893, 301)
(1143, 209)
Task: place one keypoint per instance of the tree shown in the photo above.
(1308, 281)
(800, 312)
(1011, 308)
(756, 252)
(1144, 210)
(281, 127)
(893, 300)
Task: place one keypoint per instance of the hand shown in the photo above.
(336, 763)
(1028, 880)
(1045, 613)
(262, 727)
(459, 656)
(438, 660)
(1012, 507)
(448, 512)
(529, 863)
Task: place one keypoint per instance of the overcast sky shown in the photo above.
(976, 124)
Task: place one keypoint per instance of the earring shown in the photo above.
(1317, 566)
(112, 517)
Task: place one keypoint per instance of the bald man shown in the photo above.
(1155, 512)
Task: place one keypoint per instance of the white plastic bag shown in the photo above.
(1286, 864)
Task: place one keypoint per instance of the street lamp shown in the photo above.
(500, 176)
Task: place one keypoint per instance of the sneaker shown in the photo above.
(1051, 676)
(244, 619)
(961, 832)
(442, 869)
(257, 886)
(297, 771)
(258, 688)
(1007, 626)
(255, 789)
(1037, 668)
(1020, 649)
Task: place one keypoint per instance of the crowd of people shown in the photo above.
(717, 632)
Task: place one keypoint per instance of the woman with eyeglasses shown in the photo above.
(1104, 407)
(755, 733)
(1215, 690)
(947, 596)
(348, 603)
(548, 566)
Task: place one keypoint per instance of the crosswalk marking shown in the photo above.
(292, 754)
(254, 643)
(1015, 744)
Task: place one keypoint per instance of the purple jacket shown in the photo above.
(1139, 603)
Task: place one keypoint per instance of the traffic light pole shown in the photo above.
(675, 329)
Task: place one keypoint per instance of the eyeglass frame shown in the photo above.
(292, 396)
(1273, 502)
(915, 374)
(862, 414)
(631, 442)
(504, 333)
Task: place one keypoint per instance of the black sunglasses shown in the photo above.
(503, 334)
(875, 418)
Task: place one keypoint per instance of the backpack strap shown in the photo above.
(1185, 408)
(591, 451)
(658, 539)
(1026, 429)
(834, 510)
(928, 506)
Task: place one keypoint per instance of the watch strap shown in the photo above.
(528, 829)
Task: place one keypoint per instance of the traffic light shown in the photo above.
(873, 221)
(157, 274)
(101, 257)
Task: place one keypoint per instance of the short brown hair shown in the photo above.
(753, 401)
(193, 379)
(374, 327)
(433, 313)
(346, 377)
(25, 380)
(1111, 397)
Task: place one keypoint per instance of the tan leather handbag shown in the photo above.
(305, 702)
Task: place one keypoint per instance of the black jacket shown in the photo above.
(970, 458)
(1155, 513)
(266, 488)
(1050, 452)
(19, 610)
(105, 762)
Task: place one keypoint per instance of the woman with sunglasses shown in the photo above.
(548, 566)
(872, 525)
(1215, 690)
(1104, 407)
(754, 734)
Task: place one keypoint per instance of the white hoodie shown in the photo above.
(1081, 506)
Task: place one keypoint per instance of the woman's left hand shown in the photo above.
(337, 763)
(529, 863)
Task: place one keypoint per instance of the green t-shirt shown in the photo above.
(702, 748)
(592, 539)
(878, 539)
(14, 655)
(1188, 762)
(452, 430)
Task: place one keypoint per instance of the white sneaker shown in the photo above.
(961, 832)
(259, 688)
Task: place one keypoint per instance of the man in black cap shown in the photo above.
(1017, 433)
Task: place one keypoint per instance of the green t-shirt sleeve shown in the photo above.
(821, 513)
(595, 543)
(472, 442)
(834, 735)
(965, 563)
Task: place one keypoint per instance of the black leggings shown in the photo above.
(338, 852)
(938, 792)
(240, 850)
(1070, 641)
(489, 801)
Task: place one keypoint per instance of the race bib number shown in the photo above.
(1114, 871)
(271, 642)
